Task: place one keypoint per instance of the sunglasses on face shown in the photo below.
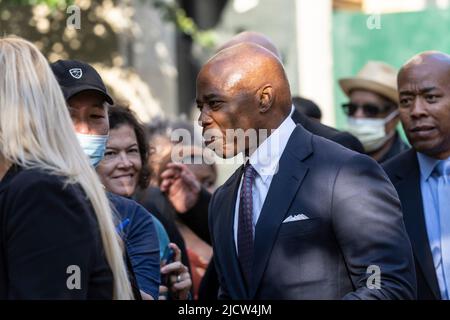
(369, 109)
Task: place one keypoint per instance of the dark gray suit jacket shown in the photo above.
(354, 221)
(404, 172)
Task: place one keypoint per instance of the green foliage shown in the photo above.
(173, 13)
(170, 10)
(50, 3)
(48, 30)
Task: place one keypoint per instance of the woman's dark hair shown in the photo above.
(120, 115)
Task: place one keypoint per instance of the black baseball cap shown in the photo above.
(75, 76)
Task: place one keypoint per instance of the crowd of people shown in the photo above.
(93, 204)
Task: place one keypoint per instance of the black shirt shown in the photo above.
(48, 231)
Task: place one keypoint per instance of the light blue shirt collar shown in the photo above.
(426, 165)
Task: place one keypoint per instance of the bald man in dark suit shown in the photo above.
(273, 238)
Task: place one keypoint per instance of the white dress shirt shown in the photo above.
(265, 161)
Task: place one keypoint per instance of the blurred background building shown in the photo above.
(149, 51)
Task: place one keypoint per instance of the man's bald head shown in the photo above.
(249, 67)
(424, 94)
(428, 59)
(252, 37)
(242, 87)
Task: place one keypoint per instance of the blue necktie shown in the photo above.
(245, 225)
(443, 170)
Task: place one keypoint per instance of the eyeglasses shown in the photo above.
(369, 109)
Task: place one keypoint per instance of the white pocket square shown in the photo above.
(296, 217)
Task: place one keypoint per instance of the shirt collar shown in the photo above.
(426, 165)
(266, 157)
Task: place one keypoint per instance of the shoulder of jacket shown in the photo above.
(32, 178)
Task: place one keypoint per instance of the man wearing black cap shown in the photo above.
(86, 95)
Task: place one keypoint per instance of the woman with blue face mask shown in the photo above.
(372, 110)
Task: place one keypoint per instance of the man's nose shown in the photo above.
(419, 108)
(359, 113)
(204, 119)
(82, 127)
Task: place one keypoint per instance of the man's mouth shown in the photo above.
(209, 141)
(422, 129)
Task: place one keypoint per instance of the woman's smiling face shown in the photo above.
(119, 170)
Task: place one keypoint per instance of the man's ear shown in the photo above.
(266, 95)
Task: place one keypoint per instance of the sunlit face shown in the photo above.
(119, 170)
(89, 113)
(425, 108)
(225, 106)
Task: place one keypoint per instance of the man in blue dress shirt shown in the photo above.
(422, 175)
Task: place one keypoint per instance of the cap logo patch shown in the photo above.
(77, 73)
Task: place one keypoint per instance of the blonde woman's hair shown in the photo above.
(36, 132)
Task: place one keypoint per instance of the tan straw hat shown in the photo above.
(375, 76)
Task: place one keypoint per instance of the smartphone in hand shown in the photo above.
(167, 258)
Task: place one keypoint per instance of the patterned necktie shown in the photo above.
(245, 225)
(443, 171)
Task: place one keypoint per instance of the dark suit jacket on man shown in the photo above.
(343, 138)
(354, 222)
(404, 173)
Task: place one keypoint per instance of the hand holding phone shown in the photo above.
(176, 281)
(167, 258)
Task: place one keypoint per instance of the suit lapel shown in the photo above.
(226, 241)
(282, 191)
(409, 189)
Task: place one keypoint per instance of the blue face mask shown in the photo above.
(94, 146)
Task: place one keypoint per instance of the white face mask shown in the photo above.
(371, 132)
